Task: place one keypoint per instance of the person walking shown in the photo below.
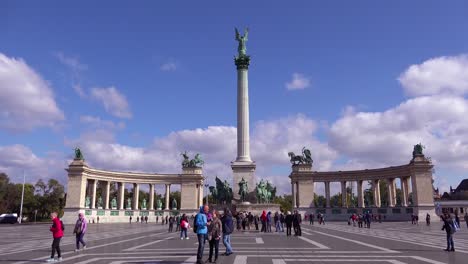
(146, 219)
(288, 220)
(263, 218)
(282, 221)
(449, 230)
(177, 221)
(171, 223)
(297, 224)
(57, 234)
(277, 222)
(268, 219)
(466, 219)
(80, 229)
(184, 225)
(130, 219)
(256, 220)
(311, 219)
(201, 227)
(428, 219)
(228, 227)
(214, 235)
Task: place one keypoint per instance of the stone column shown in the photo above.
(200, 198)
(136, 192)
(243, 137)
(391, 192)
(121, 195)
(93, 193)
(376, 189)
(404, 191)
(344, 202)
(327, 194)
(151, 197)
(168, 191)
(305, 193)
(293, 189)
(107, 194)
(360, 194)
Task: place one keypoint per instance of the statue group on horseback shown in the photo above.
(305, 158)
(418, 150)
(222, 193)
(265, 192)
(190, 163)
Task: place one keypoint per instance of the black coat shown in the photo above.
(288, 220)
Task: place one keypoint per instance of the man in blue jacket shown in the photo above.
(202, 230)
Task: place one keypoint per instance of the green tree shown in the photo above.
(284, 201)
(335, 200)
(319, 201)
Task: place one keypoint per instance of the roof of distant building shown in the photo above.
(463, 186)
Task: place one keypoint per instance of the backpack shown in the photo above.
(63, 226)
(195, 227)
(454, 226)
(78, 227)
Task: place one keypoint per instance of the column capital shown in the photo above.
(242, 62)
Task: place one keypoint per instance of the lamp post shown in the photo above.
(206, 186)
(22, 198)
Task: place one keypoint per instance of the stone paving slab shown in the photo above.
(151, 243)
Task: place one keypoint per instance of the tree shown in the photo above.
(319, 201)
(335, 200)
(284, 201)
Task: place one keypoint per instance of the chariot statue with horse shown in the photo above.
(190, 163)
(305, 158)
(78, 154)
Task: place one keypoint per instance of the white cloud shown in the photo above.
(26, 99)
(79, 90)
(298, 82)
(114, 102)
(169, 66)
(97, 122)
(436, 76)
(271, 140)
(15, 159)
(72, 62)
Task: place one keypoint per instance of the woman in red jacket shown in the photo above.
(57, 233)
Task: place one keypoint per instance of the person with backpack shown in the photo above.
(200, 227)
(80, 229)
(184, 225)
(228, 227)
(57, 234)
(450, 230)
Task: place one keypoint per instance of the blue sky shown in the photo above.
(172, 65)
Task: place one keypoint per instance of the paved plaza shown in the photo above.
(151, 243)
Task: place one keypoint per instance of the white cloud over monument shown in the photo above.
(26, 99)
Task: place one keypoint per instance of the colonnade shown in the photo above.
(105, 185)
(83, 182)
(301, 199)
(418, 171)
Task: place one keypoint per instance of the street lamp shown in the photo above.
(206, 186)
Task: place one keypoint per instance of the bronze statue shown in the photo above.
(78, 154)
(190, 163)
(243, 189)
(418, 150)
(305, 158)
(242, 49)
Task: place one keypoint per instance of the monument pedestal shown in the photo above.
(246, 170)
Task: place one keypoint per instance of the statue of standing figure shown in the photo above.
(87, 202)
(114, 203)
(143, 204)
(174, 204)
(243, 189)
(158, 204)
(99, 202)
(129, 203)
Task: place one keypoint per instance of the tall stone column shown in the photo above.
(243, 166)
(168, 191)
(360, 194)
(327, 194)
(106, 195)
(136, 193)
(93, 193)
(376, 189)
(391, 192)
(344, 201)
(200, 201)
(293, 190)
(121, 195)
(404, 191)
(151, 197)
